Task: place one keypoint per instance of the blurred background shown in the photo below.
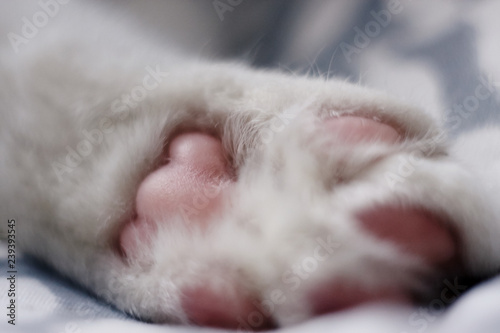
(440, 55)
(437, 54)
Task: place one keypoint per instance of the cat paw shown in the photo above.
(196, 163)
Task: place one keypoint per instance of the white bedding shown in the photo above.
(432, 53)
(49, 303)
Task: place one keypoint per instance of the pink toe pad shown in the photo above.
(190, 185)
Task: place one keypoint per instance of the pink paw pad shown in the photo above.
(229, 308)
(191, 185)
(355, 130)
(414, 231)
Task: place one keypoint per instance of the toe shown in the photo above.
(414, 230)
(228, 307)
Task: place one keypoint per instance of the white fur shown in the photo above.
(287, 194)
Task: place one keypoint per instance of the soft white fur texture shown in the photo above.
(289, 194)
